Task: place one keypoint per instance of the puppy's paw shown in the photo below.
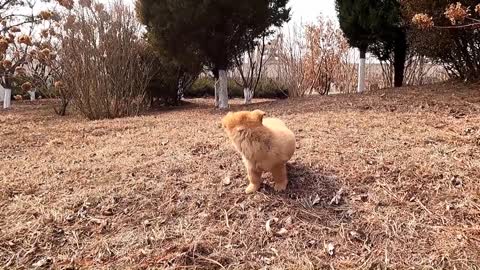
(280, 186)
(252, 188)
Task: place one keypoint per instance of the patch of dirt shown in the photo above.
(380, 180)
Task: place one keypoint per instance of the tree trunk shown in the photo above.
(400, 57)
(7, 98)
(62, 111)
(361, 71)
(32, 95)
(222, 90)
(248, 95)
(2, 93)
(215, 85)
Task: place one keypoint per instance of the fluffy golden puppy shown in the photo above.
(266, 144)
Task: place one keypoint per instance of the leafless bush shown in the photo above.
(315, 58)
(419, 70)
(102, 66)
(346, 75)
(325, 60)
(249, 67)
(290, 61)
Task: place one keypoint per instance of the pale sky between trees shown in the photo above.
(303, 11)
(308, 10)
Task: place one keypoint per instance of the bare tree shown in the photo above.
(417, 69)
(250, 67)
(291, 71)
(326, 47)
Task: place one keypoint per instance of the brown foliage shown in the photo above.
(291, 72)
(102, 63)
(16, 39)
(315, 58)
(324, 60)
(449, 35)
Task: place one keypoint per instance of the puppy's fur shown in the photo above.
(266, 144)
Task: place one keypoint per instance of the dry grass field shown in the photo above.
(385, 180)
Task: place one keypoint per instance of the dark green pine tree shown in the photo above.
(213, 31)
(375, 26)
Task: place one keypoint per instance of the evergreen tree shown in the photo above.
(378, 26)
(212, 31)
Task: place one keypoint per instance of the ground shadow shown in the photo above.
(181, 106)
(309, 186)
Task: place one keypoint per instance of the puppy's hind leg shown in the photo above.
(279, 173)
(254, 178)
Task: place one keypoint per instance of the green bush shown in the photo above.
(267, 88)
(234, 90)
(164, 89)
(168, 78)
(204, 87)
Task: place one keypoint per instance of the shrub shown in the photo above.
(234, 90)
(164, 90)
(170, 80)
(268, 88)
(103, 66)
(453, 46)
(203, 87)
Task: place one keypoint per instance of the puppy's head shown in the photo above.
(238, 121)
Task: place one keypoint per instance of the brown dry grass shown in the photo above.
(147, 192)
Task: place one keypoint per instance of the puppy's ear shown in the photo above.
(259, 114)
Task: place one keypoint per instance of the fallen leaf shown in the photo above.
(316, 200)
(55, 142)
(449, 207)
(97, 221)
(358, 236)
(337, 198)
(282, 232)
(289, 221)
(42, 262)
(330, 248)
(266, 260)
(457, 181)
(268, 226)
(108, 212)
(364, 197)
(226, 181)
